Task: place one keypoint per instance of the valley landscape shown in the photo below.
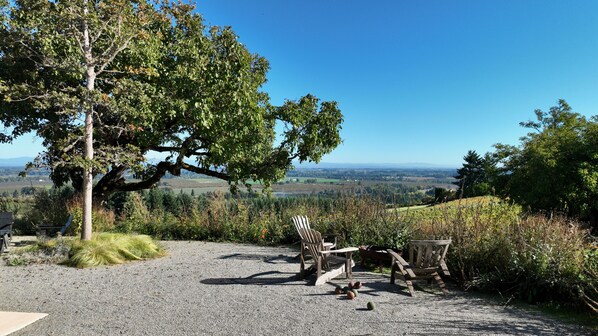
(282, 167)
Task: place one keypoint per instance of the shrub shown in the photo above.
(41, 252)
(49, 206)
(264, 221)
(102, 218)
(589, 278)
(134, 216)
(19, 208)
(496, 247)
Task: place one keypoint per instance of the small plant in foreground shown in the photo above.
(51, 251)
(16, 260)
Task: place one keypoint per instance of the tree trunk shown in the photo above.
(90, 77)
(87, 177)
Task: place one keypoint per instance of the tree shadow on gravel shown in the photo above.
(265, 258)
(258, 279)
(377, 282)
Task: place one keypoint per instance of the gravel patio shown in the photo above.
(229, 289)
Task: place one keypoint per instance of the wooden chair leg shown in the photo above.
(440, 283)
(302, 267)
(319, 267)
(348, 268)
(393, 269)
(410, 287)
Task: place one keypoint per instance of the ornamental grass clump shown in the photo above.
(112, 249)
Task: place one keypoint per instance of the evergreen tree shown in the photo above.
(472, 178)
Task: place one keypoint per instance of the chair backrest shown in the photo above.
(301, 223)
(6, 222)
(66, 225)
(427, 253)
(312, 240)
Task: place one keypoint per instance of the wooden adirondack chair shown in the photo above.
(6, 222)
(302, 222)
(325, 260)
(426, 260)
(47, 229)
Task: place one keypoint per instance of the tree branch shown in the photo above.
(115, 181)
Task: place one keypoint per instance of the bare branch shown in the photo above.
(31, 97)
(113, 55)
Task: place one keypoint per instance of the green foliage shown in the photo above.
(49, 207)
(102, 249)
(9, 204)
(589, 278)
(555, 168)
(472, 178)
(396, 193)
(163, 82)
(266, 221)
(103, 219)
(16, 260)
(496, 247)
(40, 252)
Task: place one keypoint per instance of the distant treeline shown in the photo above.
(373, 174)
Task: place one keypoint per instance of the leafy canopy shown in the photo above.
(165, 84)
(555, 168)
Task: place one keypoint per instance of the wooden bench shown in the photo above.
(49, 229)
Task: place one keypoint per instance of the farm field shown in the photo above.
(11, 186)
(413, 184)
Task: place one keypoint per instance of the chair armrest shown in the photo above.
(332, 237)
(397, 257)
(343, 250)
(403, 265)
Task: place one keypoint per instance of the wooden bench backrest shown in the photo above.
(427, 253)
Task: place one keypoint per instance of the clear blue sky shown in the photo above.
(419, 81)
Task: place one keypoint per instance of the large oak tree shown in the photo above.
(104, 83)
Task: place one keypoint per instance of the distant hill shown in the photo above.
(334, 165)
(15, 162)
(22, 161)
